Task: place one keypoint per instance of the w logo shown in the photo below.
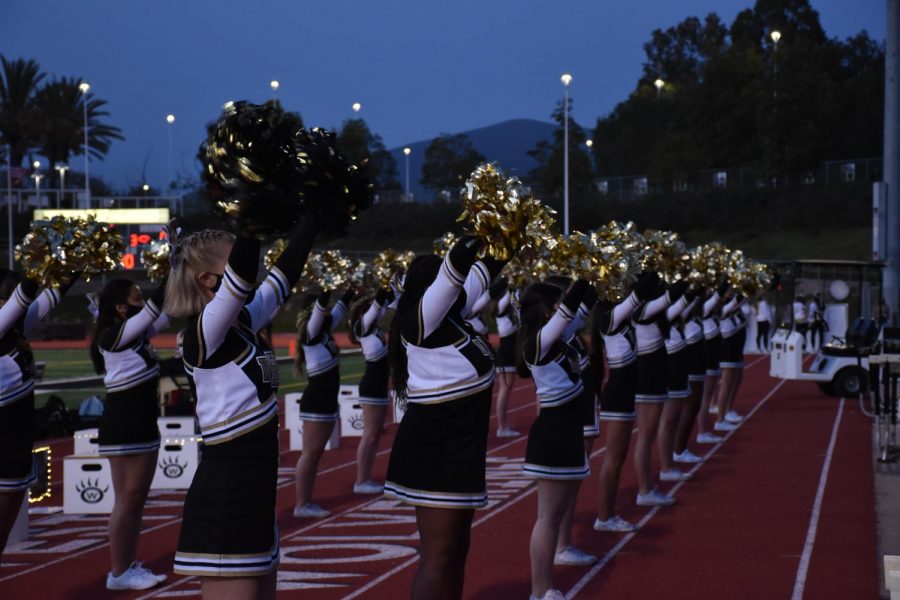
(90, 491)
(268, 366)
(171, 468)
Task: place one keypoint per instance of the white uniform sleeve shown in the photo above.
(337, 313)
(675, 309)
(222, 311)
(653, 307)
(40, 308)
(13, 310)
(441, 295)
(270, 296)
(371, 316)
(476, 285)
(480, 303)
(710, 305)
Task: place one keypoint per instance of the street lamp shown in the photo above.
(566, 80)
(274, 85)
(775, 35)
(356, 107)
(62, 182)
(170, 119)
(84, 86)
(589, 144)
(406, 152)
(37, 179)
(660, 84)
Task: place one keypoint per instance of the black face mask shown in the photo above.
(216, 287)
(131, 310)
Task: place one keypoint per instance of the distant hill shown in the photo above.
(506, 143)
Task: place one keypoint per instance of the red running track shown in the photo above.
(784, 508)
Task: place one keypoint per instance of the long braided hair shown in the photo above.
(421, 273)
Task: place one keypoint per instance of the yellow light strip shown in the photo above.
(47, 492)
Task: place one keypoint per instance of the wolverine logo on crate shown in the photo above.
(356, 422)
(90, 491)
(171, 468)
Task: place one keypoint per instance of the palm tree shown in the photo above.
(18, 116)
(61, 115)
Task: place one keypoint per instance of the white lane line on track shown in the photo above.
(803, 567)
(628, 537)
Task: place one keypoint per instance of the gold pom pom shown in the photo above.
(155, 258)
(665, 254)
(505, 216)
(274, 253)
(53, 250)
(443, 244)
(390, 264)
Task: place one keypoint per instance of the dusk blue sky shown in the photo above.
(419, 68)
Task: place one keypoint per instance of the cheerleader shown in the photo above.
(229, 536)
(373, 387)
(444, 371)
(731, 361)
(612, 328)
(763, 322)
(319, 404)
(651, 393)
(21, 310)
(474, 318)
(711, 342)
(506, 316)
(678, 386)
(555, 453)
(566, 552)
(696, 368)
(128, 434)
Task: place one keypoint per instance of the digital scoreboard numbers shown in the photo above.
(137, 241)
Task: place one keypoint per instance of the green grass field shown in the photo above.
(62, 364)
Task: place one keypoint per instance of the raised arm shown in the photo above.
(550, 333)
(584, 311)
(162, 322)
(139, 325)
(317, 318)
(445, 288)
(48, 299)
(679, 300)
(480, 303)
(280, 280)
(376, 310)
(340, 308)
(17, 305)
(222, 311)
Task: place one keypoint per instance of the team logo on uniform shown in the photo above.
(356, 421)
(268, 365)
(171, 468)
(483, 346)
(90, 491)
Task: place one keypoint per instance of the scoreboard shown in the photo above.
(137, 226)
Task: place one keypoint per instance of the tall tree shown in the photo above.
(449, 160)
(18, 115)
(61, 112)
(365, 148)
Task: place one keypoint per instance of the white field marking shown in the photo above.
(628, 537)
(177, 519)
(360, 506)
(803, 567)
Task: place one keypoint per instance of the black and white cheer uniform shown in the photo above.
(572, 337)
(693, 337)
(373, 387)
(439, 453)
(474, 317)
(320, 398)
(614, 325)
(732, 348)
(555, 449)
(649, 322)
(131, 377)
(229, 528)
(711, 338)
(507, 326)
(18, 317)
(676, 350)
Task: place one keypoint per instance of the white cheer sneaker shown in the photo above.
(724, 426)
(674, 475)
(686, 457)
(368, 487)
(573, 557)
(733, 417)
(708, 438)
(614, 524)
(654, 498)
(311, 511)
(135, 577)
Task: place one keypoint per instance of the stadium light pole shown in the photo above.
(84, 86)
(891, 167)
(356, 107)
(566, 80)
(9, 217)
(406, 153)
(274, 85)
(170, 119)
(37, 179)
(660, 84)
(62, 183)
